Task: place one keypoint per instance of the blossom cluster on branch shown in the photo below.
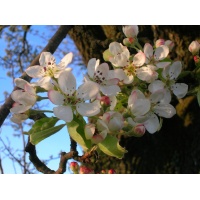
(128, 94)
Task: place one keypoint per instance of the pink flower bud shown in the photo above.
(74, 167)
(85, 170)
(159, 42)
(130, 31)
(111, 171)
(139, 130)
(105, 100)
(194, 47)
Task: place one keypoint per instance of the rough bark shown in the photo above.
(174, 149)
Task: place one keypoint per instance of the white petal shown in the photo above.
(28, 88)
(63, 112)
(65, 61)
(119, 60)
(180, 89)
(164, 110)
(148, 50)
(20, 108)
(139, 59)
(157, 96)
(45, 83)
(23, 97)
(92, 64)
(113, 102)
(101, 72)
(89, 131)
(101, 125)
(67, 82)
(116, 73)
(175, 70)
(152, 124)
(56, 97)
(162, 64)
(88, 109)
(20, 82)
(46, 58)
(155, 86)
(146, 74)
(88, 90)
(128, 79)
(140, 107)
(110, 90)
(36, 71)
(115, 48)
(167, 97)
(161, 52)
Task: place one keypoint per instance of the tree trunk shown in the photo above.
(176, 147)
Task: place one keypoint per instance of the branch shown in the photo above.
(51, 47)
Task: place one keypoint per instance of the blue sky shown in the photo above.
(57, 142)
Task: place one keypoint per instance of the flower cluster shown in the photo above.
(128, 94)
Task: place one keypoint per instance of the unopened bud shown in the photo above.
(130, 31)
(111, 171)
(74, 167)
(105, 100)
(159, 42)
(194, 47)
(85, 170)
(139, 130)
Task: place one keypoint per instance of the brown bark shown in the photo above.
(174, 149)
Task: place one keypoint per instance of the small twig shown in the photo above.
(1, 167)
(73, 145)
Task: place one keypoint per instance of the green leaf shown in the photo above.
(76, 131)
(198, 96)
(111, 147)
(36, 137)
(43, 124)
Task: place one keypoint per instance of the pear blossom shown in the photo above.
(96, 133)
(130, 31)
(100, 74)
(154, 57)
(24, 98)
(120, 54)
(138, 104)
(170, 74)
(167, 43)
(194, 47)
(48, 69)
(69, 99)
(114, 121)
(147, 73)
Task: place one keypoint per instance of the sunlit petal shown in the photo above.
(180, 89)
(152, 124)
(161, 52)
(36, 71)
(56, 97)
(164, 110)
(63, 112)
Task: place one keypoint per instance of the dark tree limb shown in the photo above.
(50, 47)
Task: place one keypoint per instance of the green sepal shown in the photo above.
(76, 131)
(110, 146)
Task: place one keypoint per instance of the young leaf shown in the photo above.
(76, 131)
(111, 147)
(36, 137)
(43, 124)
